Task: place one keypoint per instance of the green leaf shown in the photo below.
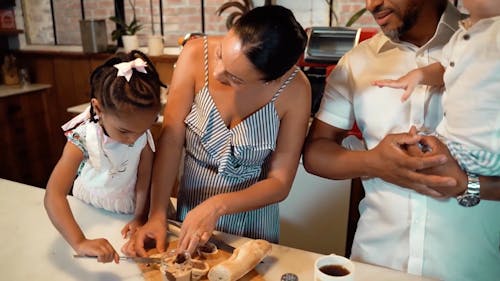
(355, 17)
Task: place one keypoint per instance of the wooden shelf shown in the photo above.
(4, 31)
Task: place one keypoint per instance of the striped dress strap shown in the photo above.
(287, 81)
(205, 59)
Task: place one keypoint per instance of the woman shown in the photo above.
(239, 107)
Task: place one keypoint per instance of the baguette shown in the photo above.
(243, 259)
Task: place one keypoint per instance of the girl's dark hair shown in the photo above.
(272, 38)
(116, 93)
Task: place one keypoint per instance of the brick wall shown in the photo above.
(179, 17)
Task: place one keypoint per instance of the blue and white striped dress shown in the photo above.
(220, 160)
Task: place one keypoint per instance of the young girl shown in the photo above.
(110, 150)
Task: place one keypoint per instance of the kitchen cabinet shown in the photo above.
(314, 216)
(24, 141)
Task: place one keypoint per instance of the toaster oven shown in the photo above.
(326, 45)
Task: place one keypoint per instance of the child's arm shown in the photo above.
(431, 75)
(59, 211)
(141, 192)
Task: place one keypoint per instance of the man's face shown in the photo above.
(395, 17)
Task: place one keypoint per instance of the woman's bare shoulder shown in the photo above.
(296, 95)
(300, 88)
(192, 49)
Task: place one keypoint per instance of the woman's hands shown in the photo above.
(97, 247)
(198, 225)
(196, 229)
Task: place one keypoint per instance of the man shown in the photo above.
(409, 220)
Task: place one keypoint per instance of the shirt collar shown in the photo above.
(448, 24)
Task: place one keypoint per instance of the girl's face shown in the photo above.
(232, 66)
(125, 127)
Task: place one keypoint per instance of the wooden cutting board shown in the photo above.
(152, 272)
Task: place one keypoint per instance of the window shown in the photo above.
(56, 22)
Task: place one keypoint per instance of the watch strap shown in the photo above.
(470, 197)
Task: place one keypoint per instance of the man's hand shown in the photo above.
(390, 161)
(448, 169)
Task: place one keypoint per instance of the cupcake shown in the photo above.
(176, 267)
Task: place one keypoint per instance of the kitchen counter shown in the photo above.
(32, 249)
(10, 90)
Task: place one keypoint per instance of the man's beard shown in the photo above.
(409, 19)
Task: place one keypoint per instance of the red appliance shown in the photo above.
(325, 47)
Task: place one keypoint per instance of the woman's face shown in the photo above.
(232, 66)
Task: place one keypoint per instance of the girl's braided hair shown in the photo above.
(116, 93)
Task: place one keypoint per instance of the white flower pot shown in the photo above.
(155, 45)
(130, 42)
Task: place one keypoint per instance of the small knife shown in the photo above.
(124, 258)
(221, 244)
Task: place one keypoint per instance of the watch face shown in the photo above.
(468, 200)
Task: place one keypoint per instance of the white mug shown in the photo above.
(328, 268)
(155, 45)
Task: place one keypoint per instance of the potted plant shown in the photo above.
(127, 32)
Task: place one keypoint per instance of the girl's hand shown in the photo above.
(407, 82)
(198, 225)
(131, 227)
(98, 247)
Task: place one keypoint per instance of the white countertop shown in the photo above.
(32, 249)
(77, 109)
(10, 90)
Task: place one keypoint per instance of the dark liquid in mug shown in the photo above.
(334, 270)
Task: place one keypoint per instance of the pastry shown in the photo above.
(243, 259)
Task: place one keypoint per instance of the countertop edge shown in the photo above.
(12, 90)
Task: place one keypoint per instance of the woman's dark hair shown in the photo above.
(116, 93)
(272, 38)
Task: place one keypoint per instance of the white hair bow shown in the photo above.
(125, 68)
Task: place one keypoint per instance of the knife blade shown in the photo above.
(221, 244)
(174, 227)
(124, 258)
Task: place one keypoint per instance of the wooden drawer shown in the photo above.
(17, 130)
(21, 106)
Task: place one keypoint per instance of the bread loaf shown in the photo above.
(243, 259)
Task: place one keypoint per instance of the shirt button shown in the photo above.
(452, 63)
(466, 37)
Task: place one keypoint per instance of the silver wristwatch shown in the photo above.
(470, 197)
